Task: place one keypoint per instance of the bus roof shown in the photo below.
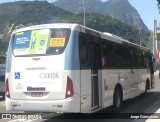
(74, 26)
(43, 26)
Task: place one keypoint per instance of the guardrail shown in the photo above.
(2, 71)
(2, 80)
(2, 59)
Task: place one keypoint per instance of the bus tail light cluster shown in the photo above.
(7, 89)
(69, 88)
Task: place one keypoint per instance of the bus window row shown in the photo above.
(113, 55)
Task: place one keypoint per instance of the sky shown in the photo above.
(147, 9)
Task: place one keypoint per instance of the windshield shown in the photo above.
(45, 41)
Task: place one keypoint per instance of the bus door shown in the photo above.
(134, 83)
(95, 65)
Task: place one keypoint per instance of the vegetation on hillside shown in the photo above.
(119, 9)
(25, 13)
(3, 49)
(30, 13)
(108, 24)
(158, 36)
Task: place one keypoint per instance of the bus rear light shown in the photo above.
(69, 88)
(7, 89)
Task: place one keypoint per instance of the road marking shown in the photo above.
(31, 120)
(154, 120)
(18, 120)
(43, 115)
(23, 120)
(2, 104)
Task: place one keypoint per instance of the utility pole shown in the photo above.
(155, 46)
(140, 41)
(84, 11)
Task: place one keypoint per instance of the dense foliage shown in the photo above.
(108, 24)
(25, 13)
(3, 49)
(119, 9)
(29, 13)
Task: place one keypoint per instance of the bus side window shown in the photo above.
(108, 58)
(145, 59)
(140, 59)
(83, 51)
(120, 56)
(128, 57)
(134, 59)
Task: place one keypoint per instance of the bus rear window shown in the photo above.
(37, 42)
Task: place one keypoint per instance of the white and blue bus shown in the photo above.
(72, 68)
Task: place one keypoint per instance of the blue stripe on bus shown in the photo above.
(72, 53)
(9, 59)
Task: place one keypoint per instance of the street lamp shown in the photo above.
(84, 11)
(155, 36)
(155, 43)
(139, 29)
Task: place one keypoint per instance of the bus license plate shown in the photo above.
(36, 94)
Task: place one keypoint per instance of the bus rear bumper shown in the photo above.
(69, 105)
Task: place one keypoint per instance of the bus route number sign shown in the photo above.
(57, 42)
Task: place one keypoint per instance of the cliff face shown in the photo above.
(18, 14)
(124, 11)
(119, 9)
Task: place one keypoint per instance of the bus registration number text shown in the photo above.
(48, 75)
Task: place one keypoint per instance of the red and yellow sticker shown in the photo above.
(57, 42)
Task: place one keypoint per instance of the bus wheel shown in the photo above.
(117, 100)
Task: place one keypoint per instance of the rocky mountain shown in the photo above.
(23, 13)
(76, 6)
(119, 9)
(18, 14)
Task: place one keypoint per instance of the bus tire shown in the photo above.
(117, 100)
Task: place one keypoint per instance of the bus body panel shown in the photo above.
(46, 103)
(143, 75)
(40, 82)
(110, 78)
(134, 77)
(86, 91)
(43, 75)
(64, 105)
(131, 87)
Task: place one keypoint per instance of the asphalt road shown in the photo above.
(139, 107)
